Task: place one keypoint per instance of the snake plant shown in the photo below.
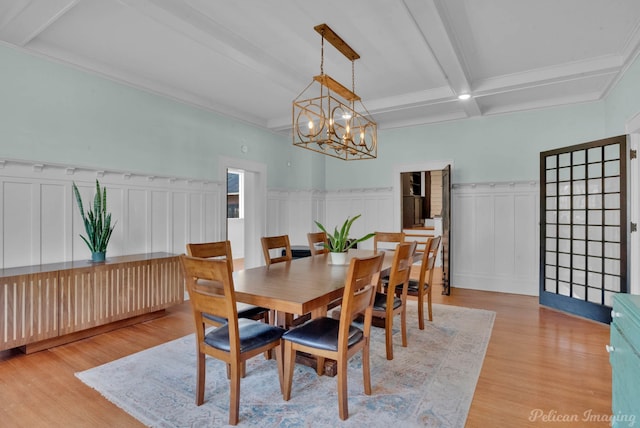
(339, 241)
(97, 222)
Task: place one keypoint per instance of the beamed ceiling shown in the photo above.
(249, 59)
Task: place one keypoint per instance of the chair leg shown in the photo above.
(429, 304)
(403, 324)
(320, 365)
(265, 318)
(200, 374)
(388, 334)
(234, 393)
(278, 350)
(243, 370)
(343, 405)
(420, 310)
(289, 361)
(366, 369)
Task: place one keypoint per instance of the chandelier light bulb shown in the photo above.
(311, 124)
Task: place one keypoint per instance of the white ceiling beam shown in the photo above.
(545, 76)
(429, 21)
(30, 18)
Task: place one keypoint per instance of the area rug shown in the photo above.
(428, 384)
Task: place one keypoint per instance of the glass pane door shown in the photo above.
(583, 241)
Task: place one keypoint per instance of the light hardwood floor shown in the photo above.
(538, 360)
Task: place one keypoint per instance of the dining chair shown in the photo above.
(279, 243)
(387, 241)
(424, 284)
(222, 250)
(314, 239)
(386, 238)
(387, 305)
(233, 342)
(339, 340)
(318, 243)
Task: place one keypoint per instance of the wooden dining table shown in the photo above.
(300, 286)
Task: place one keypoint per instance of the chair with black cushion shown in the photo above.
(278, 243)
(387, 241)
(424, 284)
(210, 286)
(336, 339)
(280, 246)
(387, 305)
(222, 250)
(318, 243)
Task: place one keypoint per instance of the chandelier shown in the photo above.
(329, 118)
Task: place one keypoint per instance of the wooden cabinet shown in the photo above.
(51, 304)
(624, 356)
(412, 199)
(30, 309)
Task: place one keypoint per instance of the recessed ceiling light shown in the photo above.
(464, 96)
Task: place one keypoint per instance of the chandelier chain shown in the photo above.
(353, 79)
(322, 56)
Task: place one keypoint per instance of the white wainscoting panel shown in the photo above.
(18, 222)
(41, 222)
(278, 202)
(136, 221)
(300, 214)
(375, 206)
(53, 222)
(160, 220)
(495, 237)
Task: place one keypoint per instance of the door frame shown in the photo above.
(584, 307)
(435, 165)
(255, 207)
(633, 130)
(397, 182)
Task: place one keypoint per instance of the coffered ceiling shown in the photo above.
(249, 59)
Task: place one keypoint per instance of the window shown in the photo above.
(235, 207)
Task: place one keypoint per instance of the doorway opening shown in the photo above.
(252, 204)
(235, 215)
(423, 192)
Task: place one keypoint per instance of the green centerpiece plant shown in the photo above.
(97, 223)
(339, 241)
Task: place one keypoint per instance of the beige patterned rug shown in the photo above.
(428, 384)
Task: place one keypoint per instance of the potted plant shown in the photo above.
(97, 223)
(339, 242)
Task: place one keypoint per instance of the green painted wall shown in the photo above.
(623, 102)
(54, 113)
